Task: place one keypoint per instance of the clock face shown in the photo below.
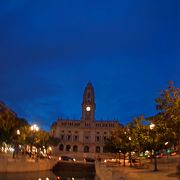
(88, 108)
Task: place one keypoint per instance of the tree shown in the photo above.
(120, 141)
(9, 123)
(139, 135)
(169, 106)
(167, 121)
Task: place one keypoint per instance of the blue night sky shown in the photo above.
(49, 50)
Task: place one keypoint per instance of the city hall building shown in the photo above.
(85, 137)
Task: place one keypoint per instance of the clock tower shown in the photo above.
(88, 104)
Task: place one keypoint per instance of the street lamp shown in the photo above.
(16, 146)
(166, 143)
(18, 132)
(34, 128)
(152, 126)
(130, 158)
(119, 156)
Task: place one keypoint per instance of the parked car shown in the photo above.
(159, 155)
(66, 158)
(173, 153)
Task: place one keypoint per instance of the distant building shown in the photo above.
(85, 137)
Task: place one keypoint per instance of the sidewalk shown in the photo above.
(23, 164)
(167, 170)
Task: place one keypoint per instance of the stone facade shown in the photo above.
(85, 137)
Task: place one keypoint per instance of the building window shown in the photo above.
(87, 124)
(62, 137)
(98, 125)
(87, 138)
(68, 147)
(98, 149)
(61, 147)
(68, 137)
(97, 138)
(76, 124)
(75, 148)
(86, 148)
(75, 138)
(104, 138)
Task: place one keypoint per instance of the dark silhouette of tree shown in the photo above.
(9, 123)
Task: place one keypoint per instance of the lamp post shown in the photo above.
(152, 126)
(119, 156)
(16, 146)
(166, 143)
(130, 159)
(34, 128)
(18, 134)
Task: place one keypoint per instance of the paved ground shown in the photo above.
(167, 170)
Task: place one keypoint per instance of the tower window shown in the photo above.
(89, 95)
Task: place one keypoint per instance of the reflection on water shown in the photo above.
(80, 175)
(47, 175)
(44, 175)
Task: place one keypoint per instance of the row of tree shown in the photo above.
(10, 123)
(138, 136)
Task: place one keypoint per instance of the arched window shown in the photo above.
(98, 149)
(86, 148)
(75, 148)
(68, 147)
(61, 147)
